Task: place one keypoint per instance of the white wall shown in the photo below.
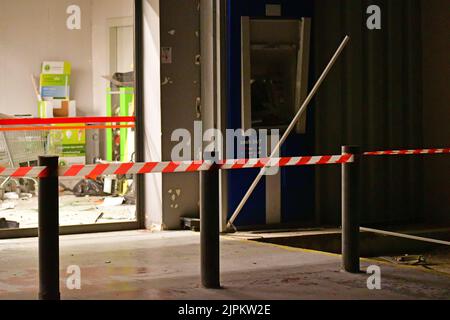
(152, 114)
(33, 31)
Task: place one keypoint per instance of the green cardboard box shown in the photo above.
(54, 86)
(69, 144)
(56, 67)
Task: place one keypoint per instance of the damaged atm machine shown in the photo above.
(268, 71)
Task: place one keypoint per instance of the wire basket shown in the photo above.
(19, 148)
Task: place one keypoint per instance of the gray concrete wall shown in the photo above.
(180, 88)
(436, 108)
(170, 94)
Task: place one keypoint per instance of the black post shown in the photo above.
(350, 211)
(209, 228)
(139, 108)
(49, 230)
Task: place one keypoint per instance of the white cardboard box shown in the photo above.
(58, 109)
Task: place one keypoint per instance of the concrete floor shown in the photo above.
(144, 265)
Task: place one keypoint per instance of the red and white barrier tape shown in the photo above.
(32, 172)
(285, 162)
(133, 168)
(173, 166)
(195, 166)
(94, 171)
(407, 152)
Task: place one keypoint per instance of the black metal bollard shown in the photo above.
(209, 228)
(49, 230)
(351, 211)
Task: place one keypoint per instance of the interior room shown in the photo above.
(61, 60)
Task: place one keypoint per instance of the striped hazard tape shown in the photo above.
(32, 172)
(97, 170)
(195, 166)
(133, 168)
(285, 162)
(407, 152)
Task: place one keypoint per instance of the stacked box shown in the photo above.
(56, 67)
(57, 109)
(54, 87)
(55, 80)
(70, 144)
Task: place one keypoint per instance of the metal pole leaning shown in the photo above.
(209, 228)
(49, 230)
(286, 134)
(351, 211)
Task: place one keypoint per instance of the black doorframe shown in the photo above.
(139, 109)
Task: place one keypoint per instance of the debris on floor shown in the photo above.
(192, 224)
(109, 185)
(130, 199)
(26, 196)
(439, 260)
(112, 202)
(11, 196)
(5, 224)
(407, 260)
(88, 187)
(7, 206)
(99, 217)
